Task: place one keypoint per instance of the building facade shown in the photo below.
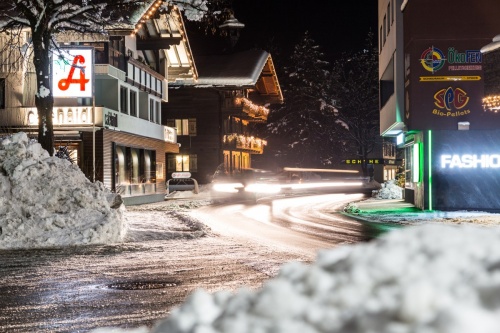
(214, 116)
(433, 81)
(115, 134)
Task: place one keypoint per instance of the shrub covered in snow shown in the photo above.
(48, 202)
(388, 190)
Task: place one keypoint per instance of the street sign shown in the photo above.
(359, 161)
(178, 175)
(363, 161)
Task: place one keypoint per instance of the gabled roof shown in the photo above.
(247, 69)
(159, 27)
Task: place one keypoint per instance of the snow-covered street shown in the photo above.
(165, 257)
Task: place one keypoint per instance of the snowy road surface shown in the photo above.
(166, 257)
(302, 224)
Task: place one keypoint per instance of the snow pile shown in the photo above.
(48, 202)
(389, 190)
(424, 279)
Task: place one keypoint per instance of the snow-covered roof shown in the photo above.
(238, 69)
(241, 69)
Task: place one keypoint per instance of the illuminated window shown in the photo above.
(179, 163)
(134, 166)
(183, 126)
(416, 163)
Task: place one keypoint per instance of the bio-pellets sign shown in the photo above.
(72, 72)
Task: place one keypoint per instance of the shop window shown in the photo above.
(123, 99)
(120, 166)
(134, 165)
(409, 166)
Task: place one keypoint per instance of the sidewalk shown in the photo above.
(401, 212)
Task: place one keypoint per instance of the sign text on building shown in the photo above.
(470, 161)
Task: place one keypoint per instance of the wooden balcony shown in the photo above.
(250, 144)
(246, 109)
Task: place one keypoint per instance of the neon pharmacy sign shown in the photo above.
(72, 73)
(470, 161)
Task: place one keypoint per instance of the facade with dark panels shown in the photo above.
(444, 123)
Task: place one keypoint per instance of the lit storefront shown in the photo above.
(439, 90)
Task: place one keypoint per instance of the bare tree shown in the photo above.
(44, 19)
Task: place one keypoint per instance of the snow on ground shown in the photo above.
(47, 201)
(424, 279)
(388, 190)
(427, 278)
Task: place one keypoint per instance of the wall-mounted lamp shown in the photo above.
(495, 44)
(463, 125)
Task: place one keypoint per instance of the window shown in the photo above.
(123, 99)
(2, 94)
(385, 29)
(151, 110)
(134, 165)
(392, 13)
(179, 163)
(157, 107)
(388, 17)
(380, 40)
(133, 103)
(183, 126)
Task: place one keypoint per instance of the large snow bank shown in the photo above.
(423, 279)
(48, 202)
(388, 190)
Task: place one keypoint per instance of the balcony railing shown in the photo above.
(240, 141)
(251, 110)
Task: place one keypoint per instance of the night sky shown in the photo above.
(335, 25)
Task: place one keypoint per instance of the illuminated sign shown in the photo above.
(178, 175)
(470, 161)
(72, 73)
(433, 59)
(446, 98)
(364, 161)
(449, 101)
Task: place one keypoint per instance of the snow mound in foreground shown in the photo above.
(48, 202)
(389, 190)
(423, 279)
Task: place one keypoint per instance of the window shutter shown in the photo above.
(192, 126)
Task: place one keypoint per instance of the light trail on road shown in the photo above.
(302, 224)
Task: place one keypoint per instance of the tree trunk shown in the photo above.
(44, 101)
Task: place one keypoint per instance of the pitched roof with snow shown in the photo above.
(251, 68)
